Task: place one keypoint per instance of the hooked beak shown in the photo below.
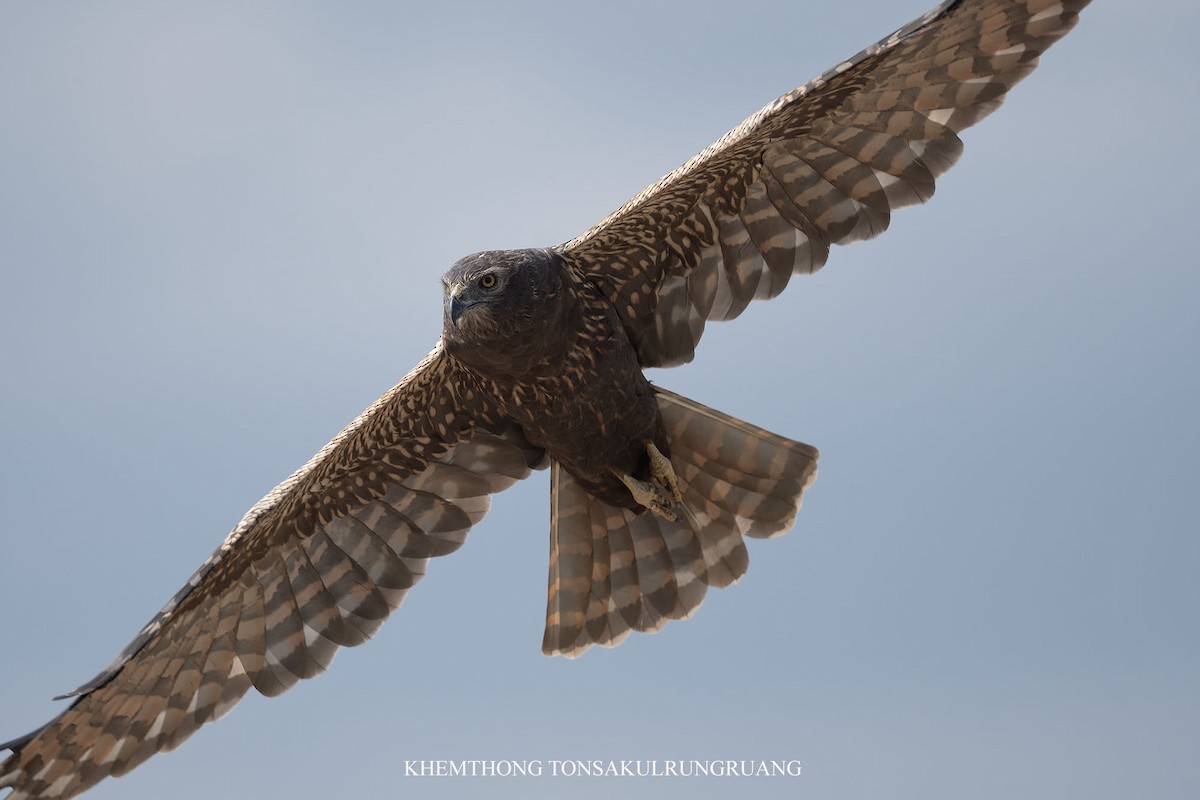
(457, 307)
(458, 304)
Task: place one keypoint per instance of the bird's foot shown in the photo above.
(661, 494)
(661, 469)
(649, 495)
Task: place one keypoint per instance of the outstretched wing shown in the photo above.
(824, 164)
(317, 564)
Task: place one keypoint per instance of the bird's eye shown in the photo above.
(487, 281)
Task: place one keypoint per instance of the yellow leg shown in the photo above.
(647, 495)
(662, 494)
(660, 468)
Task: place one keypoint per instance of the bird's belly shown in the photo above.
(595, 427)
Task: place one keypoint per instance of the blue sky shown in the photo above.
(223, 227)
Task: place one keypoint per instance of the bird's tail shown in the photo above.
(613, 570)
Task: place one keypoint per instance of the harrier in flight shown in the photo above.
(540, 363)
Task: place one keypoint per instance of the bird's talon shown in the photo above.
(660, 468)
(661, 495)
(649, 496)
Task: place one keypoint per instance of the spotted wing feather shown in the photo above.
(318, 564)
(825, 164)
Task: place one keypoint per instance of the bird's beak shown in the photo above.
(457, 304)
(456, 308)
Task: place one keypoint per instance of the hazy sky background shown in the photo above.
(222, 227)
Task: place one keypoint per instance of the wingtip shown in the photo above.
(8, 781)
(16, 744)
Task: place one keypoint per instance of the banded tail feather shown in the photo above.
(614, 570)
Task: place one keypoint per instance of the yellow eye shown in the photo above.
(487, 281)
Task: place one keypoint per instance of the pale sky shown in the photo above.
(223, 226)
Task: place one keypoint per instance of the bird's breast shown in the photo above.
(592, 409)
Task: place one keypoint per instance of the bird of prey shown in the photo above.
(540, 363)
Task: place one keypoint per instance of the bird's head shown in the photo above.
(500, 304)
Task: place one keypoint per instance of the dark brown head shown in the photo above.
(503, 308)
